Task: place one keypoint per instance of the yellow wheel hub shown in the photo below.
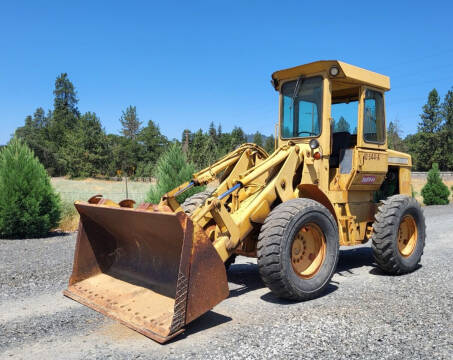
(407, 236)
(308, 251)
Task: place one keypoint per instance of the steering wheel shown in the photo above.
(306, 132)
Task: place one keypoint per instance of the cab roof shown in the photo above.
(347, 74)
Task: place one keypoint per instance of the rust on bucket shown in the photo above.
(151, 270)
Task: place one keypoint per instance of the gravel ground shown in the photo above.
(365, 314)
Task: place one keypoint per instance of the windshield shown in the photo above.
(302, 107)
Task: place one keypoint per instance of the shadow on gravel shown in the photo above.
(377, 271)
(248, 278)
(204, 322)
(245, 275)
(50, 235)
(270, 297)
(354, 258)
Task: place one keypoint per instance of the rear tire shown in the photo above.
(398, 236)
(298, 249)
(194, 201)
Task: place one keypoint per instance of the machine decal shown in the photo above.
(368, 179)
(371, 156)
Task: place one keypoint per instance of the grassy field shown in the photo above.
(71, 190)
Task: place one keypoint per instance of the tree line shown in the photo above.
(68, 142)
(433, 141)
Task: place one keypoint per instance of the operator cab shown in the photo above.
(339, 104)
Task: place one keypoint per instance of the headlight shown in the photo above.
(314, 144)
(334, 71)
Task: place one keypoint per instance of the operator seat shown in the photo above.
(340, 140)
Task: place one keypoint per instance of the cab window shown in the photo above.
(373, 117)
(302, 108)
(344, 117)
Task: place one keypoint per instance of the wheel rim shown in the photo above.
(308, 251)
(407, 236)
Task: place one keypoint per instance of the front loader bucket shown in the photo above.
(150, 270)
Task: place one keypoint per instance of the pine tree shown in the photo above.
(258, 138)
(40, 120)
(410, 144)
(224, 142)
(130, 123)
(35, 133)
(65, 113)
(435, 192)
(153, 144)
(342, 125)
(195, 151)
(430, 118)
(209, 152)
(64, 119)
(447, 130)
(219, 130)
(394, 140)
(237, 138)
(65, 95)
(172, 170)
(269, 145)
(29, 207)
(115, 149)
(185, 140)
(212, 132)
(428, 137)
(85, 152)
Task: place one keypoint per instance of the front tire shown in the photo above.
(398, 236)
(298, 249)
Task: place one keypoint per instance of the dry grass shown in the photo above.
(69, 223)
(72, 190)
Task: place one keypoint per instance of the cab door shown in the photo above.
(370, 157)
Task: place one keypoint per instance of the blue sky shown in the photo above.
(185, 64)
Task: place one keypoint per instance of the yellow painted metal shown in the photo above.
(361, 142)
(308, 251)
(293, 171)
(251, 183)
(351, 73)
(407, 236)
(404, 180)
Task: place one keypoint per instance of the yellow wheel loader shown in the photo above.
(330, 182)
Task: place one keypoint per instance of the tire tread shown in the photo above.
(383, 237)
(269, 247)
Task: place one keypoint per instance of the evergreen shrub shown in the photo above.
(172, 169)
(29, 206)
(435, 192)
